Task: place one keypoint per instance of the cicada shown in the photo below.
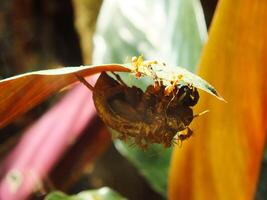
(148, 117)
(159, 114)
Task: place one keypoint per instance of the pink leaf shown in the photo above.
(44, 143)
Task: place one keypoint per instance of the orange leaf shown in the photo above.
(222, 160)
(22, 92)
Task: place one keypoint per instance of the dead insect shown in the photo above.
(147, 117)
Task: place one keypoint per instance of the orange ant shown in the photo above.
(170, 88)
(137, 62)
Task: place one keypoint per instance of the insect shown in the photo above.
(185, 135)
(182, 135)
(159, 114)
(171, 88)
(146, 117)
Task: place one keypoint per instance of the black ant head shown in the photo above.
(188, 96)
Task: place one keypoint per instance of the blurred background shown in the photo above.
(39, 34)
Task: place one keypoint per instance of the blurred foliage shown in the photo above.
(261, 192)
(172, 31)
(99, 194)
(152, 163)
(223, 160)
(86, 13)
(209, 7)
(34, 35)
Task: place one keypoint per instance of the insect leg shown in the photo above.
(189, 132)
(84, 81)
(119, 79)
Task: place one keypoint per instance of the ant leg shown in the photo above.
(173, 97)
(119, 79)
(113, 90)
(185, 134)
(189, 132)
(84, 81)
(177, 141)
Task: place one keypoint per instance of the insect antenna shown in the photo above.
(201, 113)
(197, 115)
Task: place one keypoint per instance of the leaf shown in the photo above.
(172, 31)
(170, 74)
(223, 159)
(104, 193)
(155, 172)
(22, 92)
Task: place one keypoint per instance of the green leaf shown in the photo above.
(171, 31)
(152, 163)
(104, 193)
(170, 74)
(167, 74)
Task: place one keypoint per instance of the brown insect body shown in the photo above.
(148, 117)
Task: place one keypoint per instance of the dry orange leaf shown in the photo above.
(20, 93)
(223, 160)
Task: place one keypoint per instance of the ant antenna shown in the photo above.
(201, 113)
